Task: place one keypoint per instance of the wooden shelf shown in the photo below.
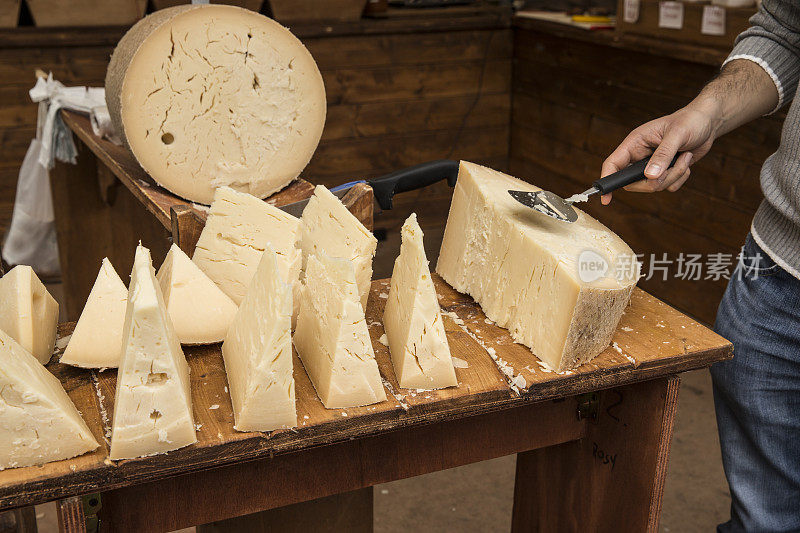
(687, 52)
(419, 21)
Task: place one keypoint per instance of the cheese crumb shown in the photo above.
(215, 406)
(626, 328)
(459, 363)
(383, 295)
(383, 339)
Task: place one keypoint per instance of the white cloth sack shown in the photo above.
(31, 237)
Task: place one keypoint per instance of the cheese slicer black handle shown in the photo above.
(626, 176)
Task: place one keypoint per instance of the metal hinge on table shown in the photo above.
(91, 506)
(588, 406)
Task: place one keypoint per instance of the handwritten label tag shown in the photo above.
(630, 13)
(713, 22)
(670, 15)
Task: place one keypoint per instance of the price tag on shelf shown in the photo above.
(630, 11)
(713, 22)
(670, 15)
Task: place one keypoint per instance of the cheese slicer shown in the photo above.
(553, 205)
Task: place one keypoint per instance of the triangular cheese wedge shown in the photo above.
(238, 228)
(258, 353)
(38, 421)
(200, 311)
(413, 321)
(327, 226)
(332, 337)
(97, 339)
(153, 402)
(28, 313)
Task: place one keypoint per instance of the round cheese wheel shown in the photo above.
(213, 95)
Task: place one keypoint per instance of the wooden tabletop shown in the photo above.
(494, 373)
(156, 199)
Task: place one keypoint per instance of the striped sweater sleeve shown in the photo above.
(773, 42)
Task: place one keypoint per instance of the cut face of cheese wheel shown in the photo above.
(153, 402)
(199, 310)
(327, 226)
(413, 321)
(332, 339)
(96, 341)
(38, 421)
(559, 288)
(237, 231)
(28, 313)
(207, 96)
(258, 353)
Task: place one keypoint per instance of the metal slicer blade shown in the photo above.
(547, 203)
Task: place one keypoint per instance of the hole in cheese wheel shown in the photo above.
(241, 92)
(156, 414)
(156, 377)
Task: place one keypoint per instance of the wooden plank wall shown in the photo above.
(398, 100)
(395, 99)
(575, 99)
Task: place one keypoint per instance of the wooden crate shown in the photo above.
(56, 13)
(288, 11)
(254, 5)
(736, 21)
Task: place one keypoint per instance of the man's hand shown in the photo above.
(741, 92)
(687, 130)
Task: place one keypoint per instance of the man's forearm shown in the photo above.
(741, 92)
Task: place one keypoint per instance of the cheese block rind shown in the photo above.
(238, 228)
(206, 96)
(96, 341)
(413, 321)
(258, 353)
(332, 339)
(38, 421)
(199, 310)
(328, 226)
(153, 402)
(28, 313)
(559, 288)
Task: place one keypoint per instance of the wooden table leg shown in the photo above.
(71, 518)
(611, 480)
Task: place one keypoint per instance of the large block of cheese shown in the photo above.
(328, 226)
(207, 96)
(413, 321)
(238, 228)
(199, 310)
(96, 341)
(533, 274)
(38, 421)
(332, 337)
(153, 401)
(258, 353)
(28, 313)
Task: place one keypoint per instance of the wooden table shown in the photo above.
(592, 444)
